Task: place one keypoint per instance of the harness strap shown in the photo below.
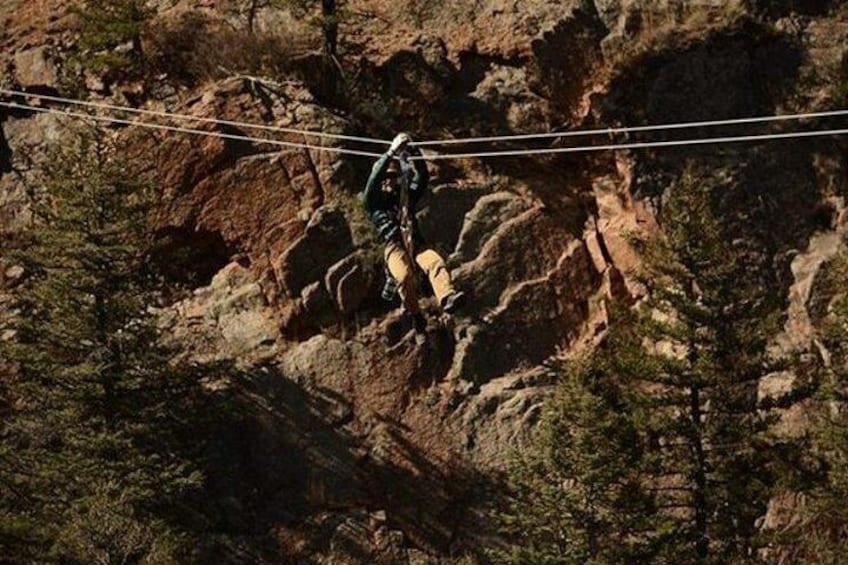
(405, 212)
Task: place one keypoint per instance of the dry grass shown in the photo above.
(195, 49)
(657, 27)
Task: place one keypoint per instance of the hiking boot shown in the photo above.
(390, 290)
(453, 301)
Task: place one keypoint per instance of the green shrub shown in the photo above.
(111, 35)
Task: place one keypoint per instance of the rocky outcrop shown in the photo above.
(24, 137)
(403, 458)
(34, 68)
(481, 223)
(506, 90)
(800, 329)
(393, 439)
(516, 332)
(259, 200)
(324, 279)
(620, 220)
(230, 319)
(500, 416)
(349, 282)
(327, 239)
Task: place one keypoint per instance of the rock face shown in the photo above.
(482, 221)
(348, 283)
(34, 68)
(530, 302)
(24, 139)
(229, 319)
(395, 443)
(327, 240)
(258, 199)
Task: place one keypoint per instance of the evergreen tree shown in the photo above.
(92, 455)
(685, 366)
(707, 324)
(820, 534)
(578, 491)
(111, 34)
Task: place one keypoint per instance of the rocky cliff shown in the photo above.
(367, 446)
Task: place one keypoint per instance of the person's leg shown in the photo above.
(401, 269)
(432, 264)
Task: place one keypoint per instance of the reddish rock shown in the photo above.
(255, 196)
(327, 239)
(482, 222)
(378, 426)
(348, 282)
(35, 68)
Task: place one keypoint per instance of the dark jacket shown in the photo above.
(384, 207)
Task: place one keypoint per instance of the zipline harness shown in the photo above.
(405, 220)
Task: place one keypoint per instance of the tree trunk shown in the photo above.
(330, 25)
(700, 495)
(252, 9)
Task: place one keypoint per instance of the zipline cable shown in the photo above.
(161, 127)
(639, 145)
(174, 116)
(633, 129)
(444, 156)
(456, 141)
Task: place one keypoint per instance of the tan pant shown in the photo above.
(402, 270)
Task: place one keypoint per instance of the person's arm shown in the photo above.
(378, 172)
(420, 176)
(386, 226)
(375, 179)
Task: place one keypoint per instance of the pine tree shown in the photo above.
(707, 323)
(684, 367)
(820, 532)
(577, 493)
(111, 34)
(92, 465)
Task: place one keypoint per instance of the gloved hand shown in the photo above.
(400, 141)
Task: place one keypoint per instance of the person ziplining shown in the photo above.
(390, 198)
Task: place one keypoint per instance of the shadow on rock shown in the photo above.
(296, 475)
